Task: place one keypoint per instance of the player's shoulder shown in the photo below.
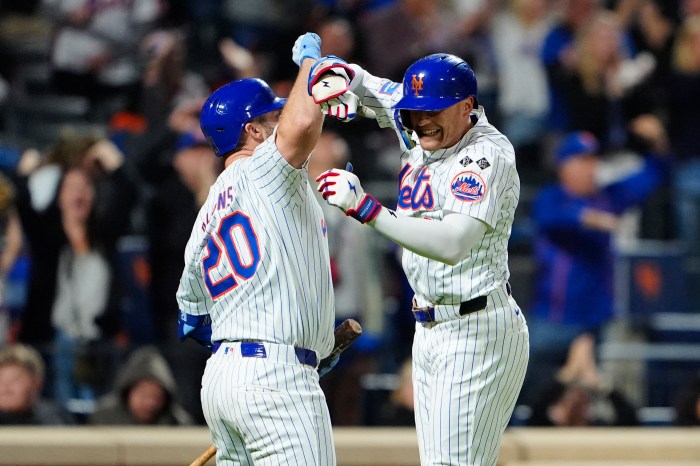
(486, 142)
(232, 175)
(267, 155)
(485, 135)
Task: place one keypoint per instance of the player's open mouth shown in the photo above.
(428, 132)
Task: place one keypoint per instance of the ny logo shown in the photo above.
(417, 83)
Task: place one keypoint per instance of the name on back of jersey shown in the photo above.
(223, 200)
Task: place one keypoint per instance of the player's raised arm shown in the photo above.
(301, 121)
(377, 94)
(350, 90)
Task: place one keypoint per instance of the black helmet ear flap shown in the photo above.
(406, 133)
(405, 119)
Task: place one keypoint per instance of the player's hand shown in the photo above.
(306, 46)
(329, 85)
(326, 369)
(343, 108)
(342, 189)
(197, 328)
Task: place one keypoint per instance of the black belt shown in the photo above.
(427, 314)
(473, 305)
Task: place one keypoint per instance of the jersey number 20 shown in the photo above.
(236, 241)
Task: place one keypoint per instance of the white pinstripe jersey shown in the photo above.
(476, 177)
(257, 260)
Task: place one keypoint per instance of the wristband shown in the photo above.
(367, 211)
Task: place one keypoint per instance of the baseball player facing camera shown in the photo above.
(458, 190)
(256, 287)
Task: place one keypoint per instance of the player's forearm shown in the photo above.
(376, 93)
(301, 121)
(448, 240)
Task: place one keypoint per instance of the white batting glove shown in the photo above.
(342, 189)
(343, 107)
(332, 94)
(329, 85)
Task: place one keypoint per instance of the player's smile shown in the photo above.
(428, 132)
(430, 138)
(440, 129)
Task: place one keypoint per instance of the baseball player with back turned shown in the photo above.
(256, 286)
(458, 190)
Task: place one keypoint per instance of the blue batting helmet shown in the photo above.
(436, 82)
(229, 108)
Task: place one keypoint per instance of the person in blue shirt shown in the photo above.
(557, 49)
(575, 220)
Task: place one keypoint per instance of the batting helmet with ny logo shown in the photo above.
(435, 82)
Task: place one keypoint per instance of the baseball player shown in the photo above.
(458, 190)
(256, 286)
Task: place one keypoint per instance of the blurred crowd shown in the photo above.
(103, 168)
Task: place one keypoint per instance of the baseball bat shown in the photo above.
(204, 457)
(345, 335)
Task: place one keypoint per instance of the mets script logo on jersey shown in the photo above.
(418, 195)
(324, 227)
(417, 83)
(468, 187)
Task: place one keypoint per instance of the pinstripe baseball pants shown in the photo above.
(266, 411)
(467, 374)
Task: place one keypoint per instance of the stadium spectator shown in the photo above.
(578, 395)
(338, 38)
(145, 393)
(518, 33)
(165, 107)
(473, 41)
(575, 220)
(37, 180)
(95, 49)
(606, 78)
(72, 232)
(83, 282)
(10, 248)
(240, 61)
(166, 80)
(651, 28)
(558, 53)
(21, 380)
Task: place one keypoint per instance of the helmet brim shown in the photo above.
(276, 104)
(425, 103)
